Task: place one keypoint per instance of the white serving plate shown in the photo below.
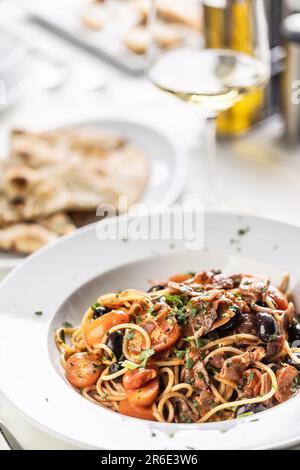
(167, 167)
(66, 277)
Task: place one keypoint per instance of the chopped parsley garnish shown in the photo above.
(174, 300)
(96, 366)
(296, 382)
(145, 356)
(200, 342)
(251, 375)
(129, 365)
(95, 306)
(244, 415)
(150, 311)
(243, 231)
(130, 335)
(193, 311)
(39, 313)
(189, 363)
(180, 354)
(66, 324)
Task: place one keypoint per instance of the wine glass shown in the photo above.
(234, 62)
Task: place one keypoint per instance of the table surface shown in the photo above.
(256, 173)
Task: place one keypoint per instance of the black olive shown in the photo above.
(99, 311)
(247, 324)
(250, 408)
(274, 367)
(290, 361)
(229, 326)
(266, 327)
(294, 332)
(156, 288)
(114, 367)
(115, 342)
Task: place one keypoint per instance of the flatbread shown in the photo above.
(51, 175)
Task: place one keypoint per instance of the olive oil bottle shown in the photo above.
(230, 28)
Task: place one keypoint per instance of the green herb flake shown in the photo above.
(130, 335)
(193, 312)
(129, 365)
(95, 306)
(244, 415)
(200, 342)
(180, 354)
(150, 311)
(39, 313)
(189, 363)
(66, 324)
(243, 231)
(251, 375)
(145, 356)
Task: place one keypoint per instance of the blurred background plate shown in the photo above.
(167, 169)
(64, 19)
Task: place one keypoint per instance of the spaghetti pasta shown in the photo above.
(212, 347)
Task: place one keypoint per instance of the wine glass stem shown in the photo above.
(210, 160)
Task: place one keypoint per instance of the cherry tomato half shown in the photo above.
(180, 277)
(129, 409)
(97, 329)
(278, 297)
(135, 379)
(83, 369)
(144, 396)
(164, 332)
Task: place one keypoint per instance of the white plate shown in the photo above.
(167, 167)
(66, 277)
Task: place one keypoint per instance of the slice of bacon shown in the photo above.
(235, 366)
(250, 383)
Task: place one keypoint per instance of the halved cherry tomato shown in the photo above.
(180, 277)
(135, 379)
(164, 332)
(83, 369)
(129, 409)
(144, 396)
(97, 329)
(278, 297)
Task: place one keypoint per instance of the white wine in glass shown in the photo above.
(214, 79)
